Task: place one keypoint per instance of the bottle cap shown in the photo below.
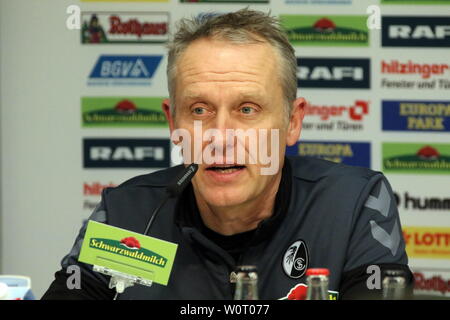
(317, 272)
(246, 269)
(394, 273)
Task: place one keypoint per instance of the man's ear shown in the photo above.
(295, 121)
(169, 116)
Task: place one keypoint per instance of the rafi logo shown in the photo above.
(333, 73)
(350, 153)
(130, 27)
(124, 70)
(128, 247)
(416, 158)
(296, 259)
(122, 112)
(126, 153)
(416, 115)
(306, 30)
(415, 31)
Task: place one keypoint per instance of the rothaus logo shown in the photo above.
(126, 153)
(124, 70)
(333, 73)
(415, 31)
(124, 27)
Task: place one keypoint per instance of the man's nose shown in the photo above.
(220, 132)
(223, 120)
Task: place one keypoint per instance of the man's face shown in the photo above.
(229, 86)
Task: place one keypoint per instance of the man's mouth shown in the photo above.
(225, 168)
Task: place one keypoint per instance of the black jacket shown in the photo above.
(338, 217)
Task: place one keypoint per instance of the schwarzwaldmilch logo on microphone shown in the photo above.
(295, 260)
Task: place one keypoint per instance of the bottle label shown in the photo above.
(299, 293)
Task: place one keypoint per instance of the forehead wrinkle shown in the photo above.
(229, 76)
(242, 93)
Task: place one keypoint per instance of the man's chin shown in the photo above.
(222, 198)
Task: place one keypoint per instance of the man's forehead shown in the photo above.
(202, 52)
(238, 92)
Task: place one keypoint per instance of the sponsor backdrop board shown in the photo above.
(81, 111)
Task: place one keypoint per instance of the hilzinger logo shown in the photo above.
(424, 70)
(355, 112)
(229, 149)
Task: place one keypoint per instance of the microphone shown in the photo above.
(174, 190)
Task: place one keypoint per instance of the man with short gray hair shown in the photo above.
(233, 74)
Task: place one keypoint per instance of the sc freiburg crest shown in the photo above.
(295, 259)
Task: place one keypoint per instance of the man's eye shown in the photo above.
(247, 110)
(199, 110)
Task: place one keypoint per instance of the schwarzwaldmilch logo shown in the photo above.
(411, 158)
(122, 112)
(124, 27)
(328, 31)
(296, 260)
(128, 247)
